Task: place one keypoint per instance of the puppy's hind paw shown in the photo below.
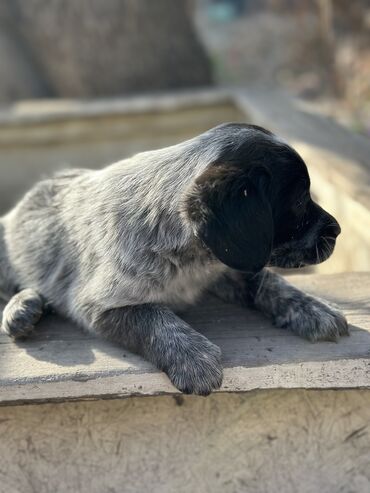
(315, 320)
(22, 313)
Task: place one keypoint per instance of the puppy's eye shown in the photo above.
(299, 203)
(300, 206)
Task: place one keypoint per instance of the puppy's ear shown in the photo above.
(233, 216)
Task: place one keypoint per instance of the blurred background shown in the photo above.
(87, 82)
(317, 49)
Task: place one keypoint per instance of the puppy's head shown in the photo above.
(252, 206)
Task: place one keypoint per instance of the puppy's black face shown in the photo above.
(253, 207)
(304, 233)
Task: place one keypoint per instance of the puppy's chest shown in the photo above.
(187, 283)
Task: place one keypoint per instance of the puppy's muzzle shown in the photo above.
(327, 239)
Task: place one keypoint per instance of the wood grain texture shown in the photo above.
(60, 362)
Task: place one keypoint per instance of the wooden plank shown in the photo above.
(59, 362)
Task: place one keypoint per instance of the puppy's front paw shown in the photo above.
(197, 369)
(314, 320)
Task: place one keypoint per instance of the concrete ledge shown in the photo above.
(61, 363)
(51, 110)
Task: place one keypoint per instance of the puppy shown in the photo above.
(117, 250)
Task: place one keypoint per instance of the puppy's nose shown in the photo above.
(333, 229)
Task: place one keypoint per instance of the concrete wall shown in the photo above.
(271, 441)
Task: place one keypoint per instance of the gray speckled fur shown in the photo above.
(289, 308)
(114, 251)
